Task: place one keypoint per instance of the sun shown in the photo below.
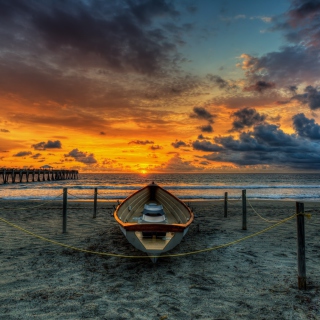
(143, 171)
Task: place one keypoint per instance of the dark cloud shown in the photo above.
(202, 137)
(119, 36)
(22, 154)
(141, 142)
(305, 127)
(36, 156)
(206, 146)
(155, 147)
(208, 128)
(202, 113)
(267, 145)
(296, 62)
(291, 64)
(72, 49)
(4, 130)
(305, 9)
(260, 86)
(246, 117)
(47, 145)
(293, 89)
(81, 156)
(220, 82)
(311, 97)
(179, 143)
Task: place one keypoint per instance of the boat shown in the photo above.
(153, 220)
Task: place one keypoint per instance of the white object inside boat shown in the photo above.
(153, 212)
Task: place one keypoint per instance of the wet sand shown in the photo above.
(252, 279)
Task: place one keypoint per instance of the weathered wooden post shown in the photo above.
(64, 210)
(95, 203)
(302, 280)
(225, 204)
(244, 210)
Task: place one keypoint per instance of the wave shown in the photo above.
(172, 187)
(182, 197)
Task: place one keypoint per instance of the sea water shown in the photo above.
(204, 186)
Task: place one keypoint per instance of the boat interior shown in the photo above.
(133, 208)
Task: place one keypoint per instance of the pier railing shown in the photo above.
(35, 175)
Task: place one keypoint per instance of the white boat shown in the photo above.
(153, 220)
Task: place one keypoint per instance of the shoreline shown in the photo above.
(253, 279)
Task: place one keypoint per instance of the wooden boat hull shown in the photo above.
(153, 238)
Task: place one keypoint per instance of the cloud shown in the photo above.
(246, 117)
(155, 147)
(202, 137)
(305, 127)
(47, 145)
(179, 143)
(36, 156)
(118, 36)
(206, 146)
(268, 145)
(304, 9)
(208, 128)
(202, 114)
(83, 60)
(220, 83)
(4, 130)
(260, 86)
(296, 62)
(141, 142)
(311, 97)
(22, 154)
(177, 164)
(80, 156)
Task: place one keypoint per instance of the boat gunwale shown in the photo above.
(129, 226)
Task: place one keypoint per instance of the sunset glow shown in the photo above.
(160, 86)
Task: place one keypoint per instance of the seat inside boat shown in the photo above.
(150, 205)
(153, 213)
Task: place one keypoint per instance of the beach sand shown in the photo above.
(252, 279)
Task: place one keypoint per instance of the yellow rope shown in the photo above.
(272, 221)
(37, 206)
(127, 256)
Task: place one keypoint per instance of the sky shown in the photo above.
(160, 85)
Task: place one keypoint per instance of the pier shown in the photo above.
(35, 175)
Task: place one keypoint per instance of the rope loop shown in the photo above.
(271, 221)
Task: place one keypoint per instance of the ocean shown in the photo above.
(211, 186)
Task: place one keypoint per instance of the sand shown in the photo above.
(252, 279)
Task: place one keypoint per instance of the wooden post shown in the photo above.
(64, 211)
(302, 280)
(225, 204)
(244, 210)
(95, 203)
